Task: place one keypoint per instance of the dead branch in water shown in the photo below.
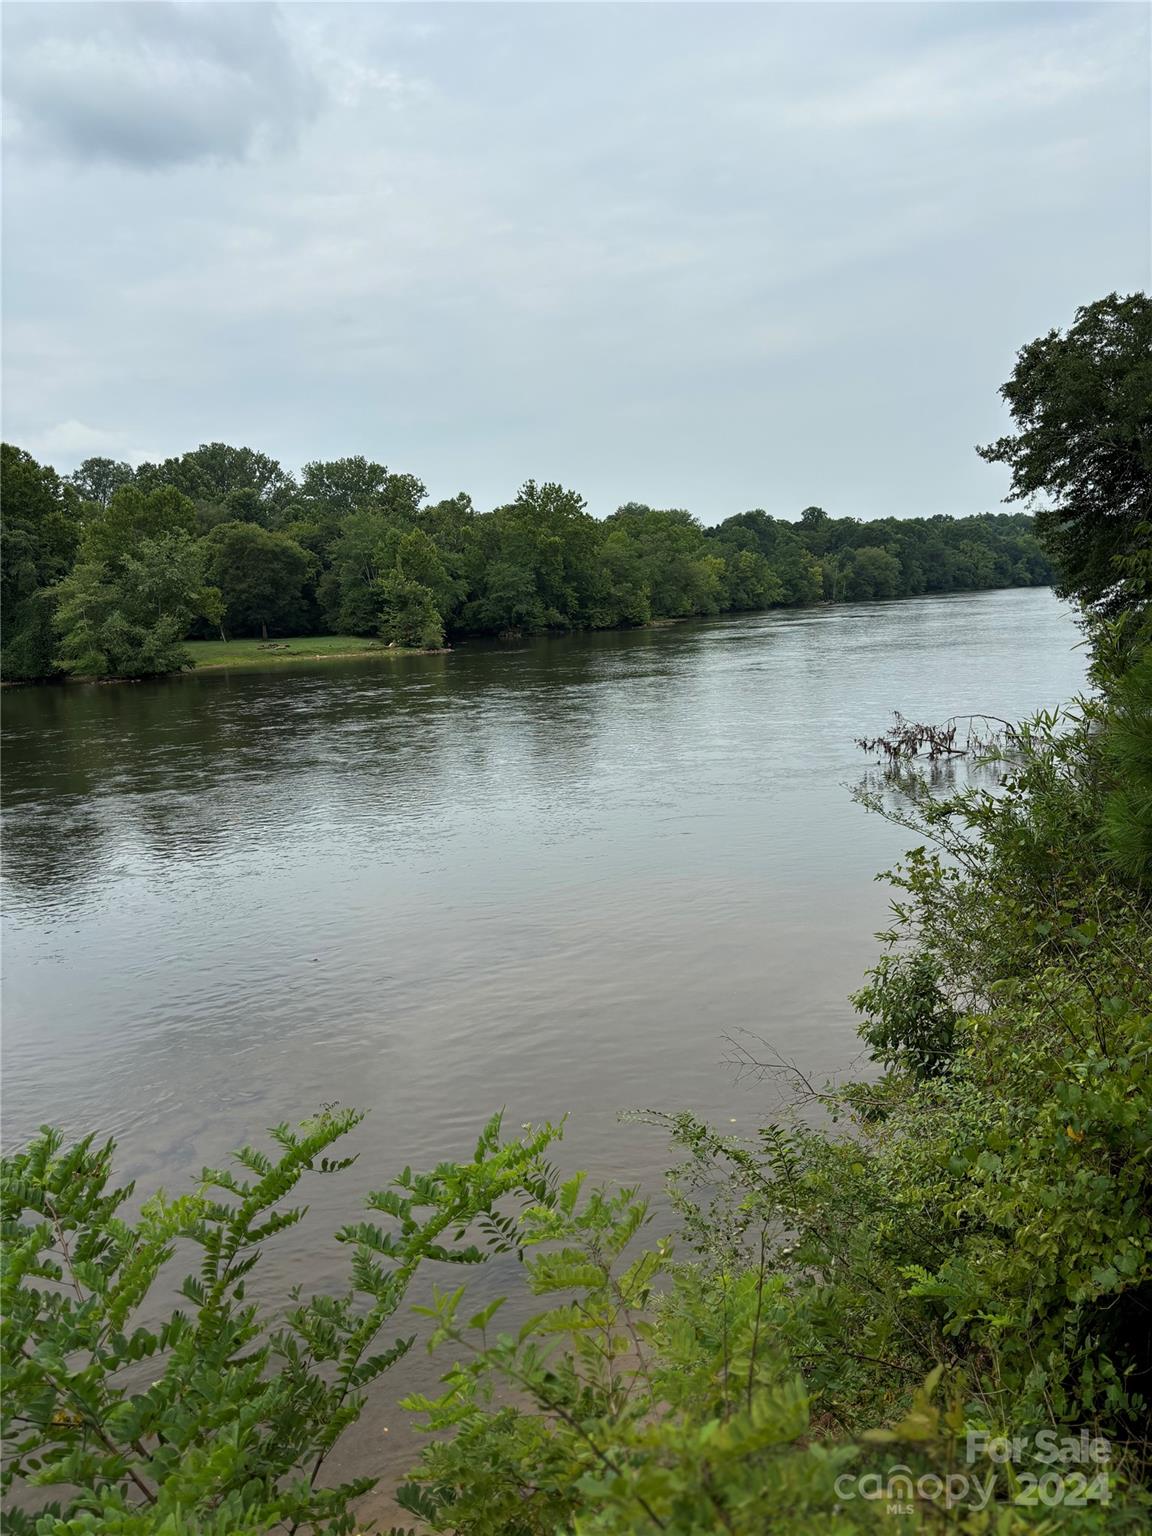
(908, 739)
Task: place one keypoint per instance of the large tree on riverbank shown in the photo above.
(1082, 404)
(129, 616)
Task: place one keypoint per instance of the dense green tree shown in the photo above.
(795, 568)
(508, 600)
(534, 563)
(29, 651)
(133, 514)
(417, 559)
(450, 524)
(1082, 404)
(260, 576)
(128, 616)
(626, 597)
(39, 525)
(357, 560)
(874, 573)
(750, 582)
(682, 574)
(226, 484)
(1127, 819)
(408, 612)
(209, 472)
(333, 488)
(834, 571)
(39, 532)
(814, 529)
(96, 479)
(344, 514)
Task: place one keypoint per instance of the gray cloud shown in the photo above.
(153, 85)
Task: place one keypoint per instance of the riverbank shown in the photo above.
(209, 654)
(252, 655)
(250, 652)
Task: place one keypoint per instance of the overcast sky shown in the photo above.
(704, 255)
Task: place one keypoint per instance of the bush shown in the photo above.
(910, 1021)
(224, 1429)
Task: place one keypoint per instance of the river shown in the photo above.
(556, 876)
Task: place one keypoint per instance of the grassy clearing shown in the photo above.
(254, 652)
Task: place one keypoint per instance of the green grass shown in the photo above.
(267, 653)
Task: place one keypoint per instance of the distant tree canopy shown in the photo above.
(219, 478)
(224, 539)
(96, 479)
(132, 514)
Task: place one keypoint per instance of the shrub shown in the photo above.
(217, 1420)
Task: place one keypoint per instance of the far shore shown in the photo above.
(212, 655)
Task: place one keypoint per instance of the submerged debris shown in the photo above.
(907, 739)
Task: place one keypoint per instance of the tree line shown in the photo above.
(109, 570)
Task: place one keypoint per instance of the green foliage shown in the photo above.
(796, 570)
(30, 638)
(875, 573)
(750, 582)
(1038, 1158)
(408, 612)
(730, 1393)
(97, 479)
(127, 617)
(1082, 404)
(260, 577)
(38, 540)
(224, 483)
(534, 563)
(910, 1021)
(132, 514)
(674, 563)
(415, 593)
(632, 1412)
(1128, 754)
(358, 560)
(218, 1420)
(330, 491)
(125, 606)
(40, 532)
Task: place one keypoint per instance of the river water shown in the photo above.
(556, 876)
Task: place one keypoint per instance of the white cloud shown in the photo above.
(68, 443)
